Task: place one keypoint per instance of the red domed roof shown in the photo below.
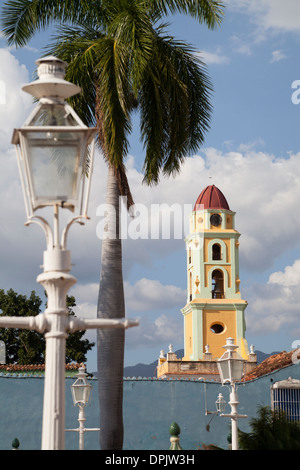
(212, 198)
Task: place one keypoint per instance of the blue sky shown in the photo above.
(251, 153)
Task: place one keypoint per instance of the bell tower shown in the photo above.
(214, 310)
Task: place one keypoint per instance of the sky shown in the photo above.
(251, 153)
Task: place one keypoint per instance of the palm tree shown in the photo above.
(271, 430)
(124, 60)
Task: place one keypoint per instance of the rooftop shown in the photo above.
(272, 363)
(212, 198)
(33, 369)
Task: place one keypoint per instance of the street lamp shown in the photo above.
(220, 406)
(55, 157)
(231, 366)
(81, 394)
(220, 403)
(55, 150)
(81, 389)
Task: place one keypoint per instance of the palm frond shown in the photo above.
(20, 19)
(175, 107)
(113, 99)
(210, 12)
(76, 46)
(131, 26)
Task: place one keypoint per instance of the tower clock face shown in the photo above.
(215, 220)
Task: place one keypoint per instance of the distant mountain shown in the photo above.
(149, 370)
(261, 356)
(141, 370)
(146, 370)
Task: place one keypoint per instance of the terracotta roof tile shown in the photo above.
(212, 198)
(272, 363)
(28, 367)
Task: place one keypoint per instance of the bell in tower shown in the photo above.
(218, 288)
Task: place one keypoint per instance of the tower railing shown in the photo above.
(217, 295)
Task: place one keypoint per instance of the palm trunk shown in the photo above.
(111, 341)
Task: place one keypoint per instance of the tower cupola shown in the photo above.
(211, 198)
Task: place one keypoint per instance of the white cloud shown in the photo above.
(16, 103)
(157, 332)
(274, 306)
(168, 329)
(267, 18)
(280, 15)
(250, 146)
(146, 300)
(148, 294)
(241, 45)
(273, 15)
(14, 107)
(217, 57)
(290, 277)
(143, 296)
(86, 293)
(277, 56)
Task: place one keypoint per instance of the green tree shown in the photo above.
(271, 430)
(28, 347)
(120, 54)
(77, 347)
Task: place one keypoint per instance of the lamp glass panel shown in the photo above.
(81, 391)
(54, 163)
(231, 369)
(55, 115)
(221, 404)
(237, 369)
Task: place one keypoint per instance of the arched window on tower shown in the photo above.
(217, 282)
(216, 252)
(191, 285)
(190, 255)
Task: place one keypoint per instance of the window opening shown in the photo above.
(285, 396)
(216, 252)
(217, 328)
(217, 284)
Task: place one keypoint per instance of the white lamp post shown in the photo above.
(231, 366)
(55, 156)
(81, 393)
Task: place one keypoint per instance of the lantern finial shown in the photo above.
(51, 84)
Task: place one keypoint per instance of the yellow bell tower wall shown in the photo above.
(214, 320)
(188, 335)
